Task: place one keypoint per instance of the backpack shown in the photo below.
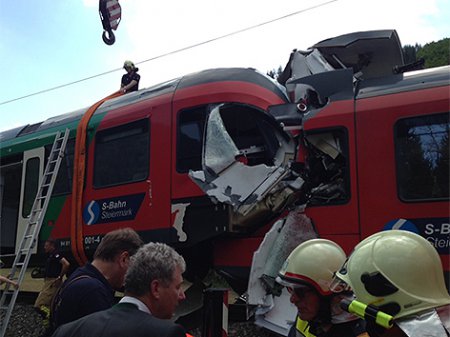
(56, 303)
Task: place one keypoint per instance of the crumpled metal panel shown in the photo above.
(239, 184)
(326, 143)
(220, 151)
(425, 324)
(276, 312)
(227, 180)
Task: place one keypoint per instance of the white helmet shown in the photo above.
(312, 263)
(397, 271)
(129, 64)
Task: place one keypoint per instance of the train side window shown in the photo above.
(31, 185)
(122, 154)
(191, 125)
(422, 157)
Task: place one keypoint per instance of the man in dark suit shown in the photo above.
(152, 293)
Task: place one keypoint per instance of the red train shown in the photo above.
(207, 162)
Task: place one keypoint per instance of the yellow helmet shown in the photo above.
(128, 64)
(312, 263)
(397, 271)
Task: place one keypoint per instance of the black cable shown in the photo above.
(173, 52)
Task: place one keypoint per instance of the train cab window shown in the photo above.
(422, 157)
(250, 131)
(326, 171)
(31, 185)
(122, 154)
(191, 125)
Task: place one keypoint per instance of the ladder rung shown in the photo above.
(8, 297)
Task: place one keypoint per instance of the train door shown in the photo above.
(10, 183)
(331, 173)
(403, 164)
(32, 171)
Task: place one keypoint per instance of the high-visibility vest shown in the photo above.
(303, 328)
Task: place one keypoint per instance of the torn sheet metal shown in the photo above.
(274, 310)
(331, 67)
(240, 184)
(306, 63)
(227, 180)
(425, 324)
(178, 212)
(220, 150)
(278, 314)
(327, 143)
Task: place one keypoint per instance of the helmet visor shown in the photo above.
(292, 285)
(338, 285)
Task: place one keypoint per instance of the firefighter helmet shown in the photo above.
(397, 271)
(312, 263)
(128, 64)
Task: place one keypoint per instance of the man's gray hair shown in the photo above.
(153, 261)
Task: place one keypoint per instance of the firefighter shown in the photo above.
(399, 273)
(130, 80)
(307, 274)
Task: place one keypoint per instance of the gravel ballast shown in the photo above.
(26, 322)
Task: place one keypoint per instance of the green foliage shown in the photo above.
(274, 73)
(436, 53)
(410, 53)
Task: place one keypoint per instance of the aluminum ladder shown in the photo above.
(34, 224)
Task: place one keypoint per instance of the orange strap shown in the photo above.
(79, 171)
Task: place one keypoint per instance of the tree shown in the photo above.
(275, 73)
(436, 53)
(442, 168)
(410, 53)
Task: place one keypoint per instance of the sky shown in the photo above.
(50, 43)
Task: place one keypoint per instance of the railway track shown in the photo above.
(26, 322)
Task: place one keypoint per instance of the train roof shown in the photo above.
(414, 80)
(202, 77)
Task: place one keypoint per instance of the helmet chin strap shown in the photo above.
(425, 324)
(322, 322)
(339, 315)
